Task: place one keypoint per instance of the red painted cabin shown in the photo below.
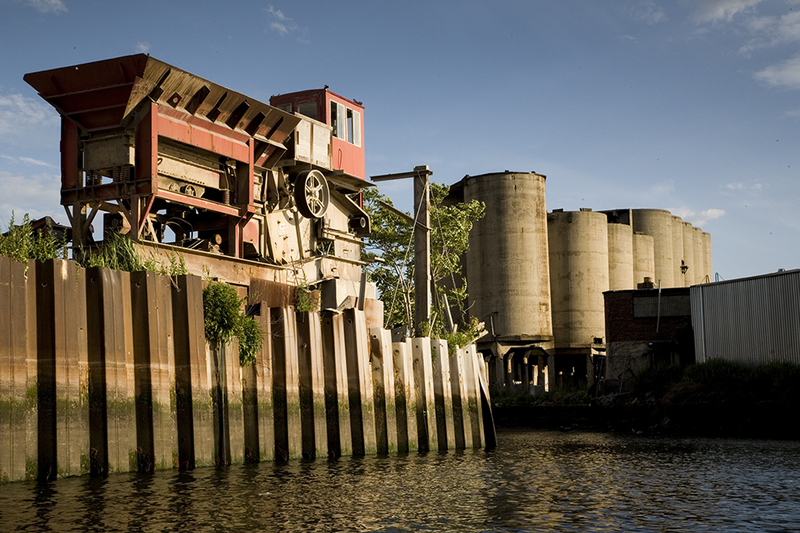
(345, 117)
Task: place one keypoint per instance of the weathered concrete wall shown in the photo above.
(620, 257)
(658, 224)
(506, 266)
(578, 243)
(103, 371)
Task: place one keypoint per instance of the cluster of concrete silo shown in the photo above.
(537, 279)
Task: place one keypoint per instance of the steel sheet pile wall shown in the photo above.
(752, 320)
(103, 371)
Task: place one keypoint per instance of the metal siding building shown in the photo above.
(751, 320)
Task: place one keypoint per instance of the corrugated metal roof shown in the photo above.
(751, 320)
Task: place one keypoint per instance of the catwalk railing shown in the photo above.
(104, 371)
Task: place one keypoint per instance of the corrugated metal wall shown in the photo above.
(751, 320)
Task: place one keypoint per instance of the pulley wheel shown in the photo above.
(311, 194)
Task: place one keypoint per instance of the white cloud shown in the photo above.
(784, 74)
(17, 111)
(697, 218)
(47, 6)
(285, 25)
(648, 12)
(36, 194)
(722, 10)
(738, 186)
(142, 47)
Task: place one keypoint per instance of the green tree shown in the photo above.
(392, 241)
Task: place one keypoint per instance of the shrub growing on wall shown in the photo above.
(224, 320)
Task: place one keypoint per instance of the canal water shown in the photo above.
(534, 481)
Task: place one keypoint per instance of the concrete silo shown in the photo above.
(508, 277)
(699, 256)
(677, 251)
(643, 258)
(578, 244)
(688, 254)
(709, 271)
(620, 257)
(658, 224)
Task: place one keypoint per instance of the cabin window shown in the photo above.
(338, 120)
(308, 109)
(354, 127)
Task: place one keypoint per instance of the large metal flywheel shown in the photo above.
(311, 193)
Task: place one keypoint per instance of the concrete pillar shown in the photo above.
(312, 385)
(423, 384)
(406, 397)
(443, 395)
(337, 402)
(62, 369)
(362, 410)
(383, 387)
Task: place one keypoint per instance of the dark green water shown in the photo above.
(534, 481)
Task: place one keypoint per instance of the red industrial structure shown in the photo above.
(157, 148)
(345, 117)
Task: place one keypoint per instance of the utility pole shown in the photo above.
(422, 240)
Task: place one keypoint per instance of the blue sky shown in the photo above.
(688, 105)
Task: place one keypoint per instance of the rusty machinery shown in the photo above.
(163, 152)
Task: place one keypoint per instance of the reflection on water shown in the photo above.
(534, 481)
